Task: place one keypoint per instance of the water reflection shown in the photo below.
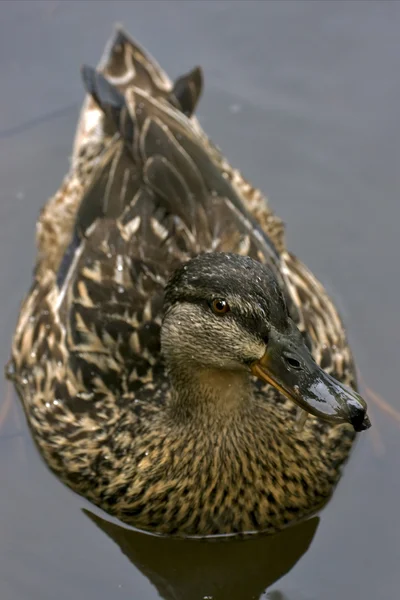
(219, 569)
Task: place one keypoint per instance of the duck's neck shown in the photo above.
(208, 395)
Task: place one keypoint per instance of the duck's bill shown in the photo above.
(289, 367)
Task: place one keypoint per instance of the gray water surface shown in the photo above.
(304, 97)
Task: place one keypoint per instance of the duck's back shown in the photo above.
(185, 176)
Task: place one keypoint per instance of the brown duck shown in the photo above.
(170, 346)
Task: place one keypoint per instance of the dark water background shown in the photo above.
(304, 97)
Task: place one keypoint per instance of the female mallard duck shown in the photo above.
(162, 287)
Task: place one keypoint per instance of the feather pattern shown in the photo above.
(146, 191)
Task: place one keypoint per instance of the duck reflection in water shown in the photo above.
(218, 569)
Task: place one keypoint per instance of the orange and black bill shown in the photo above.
(289, 366)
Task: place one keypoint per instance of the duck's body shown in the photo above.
(146, 192)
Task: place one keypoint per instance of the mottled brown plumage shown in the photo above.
(146, 192)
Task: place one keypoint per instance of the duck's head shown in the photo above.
(226, 313)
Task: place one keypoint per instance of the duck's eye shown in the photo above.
(220, 306)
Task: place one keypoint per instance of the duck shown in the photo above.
(178, 367)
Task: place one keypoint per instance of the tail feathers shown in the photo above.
(126, 64)
(101, 90)
(187, 91)
(110, 100)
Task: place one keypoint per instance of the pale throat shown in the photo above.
(210, 391)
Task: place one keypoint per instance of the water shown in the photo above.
(304, 98)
